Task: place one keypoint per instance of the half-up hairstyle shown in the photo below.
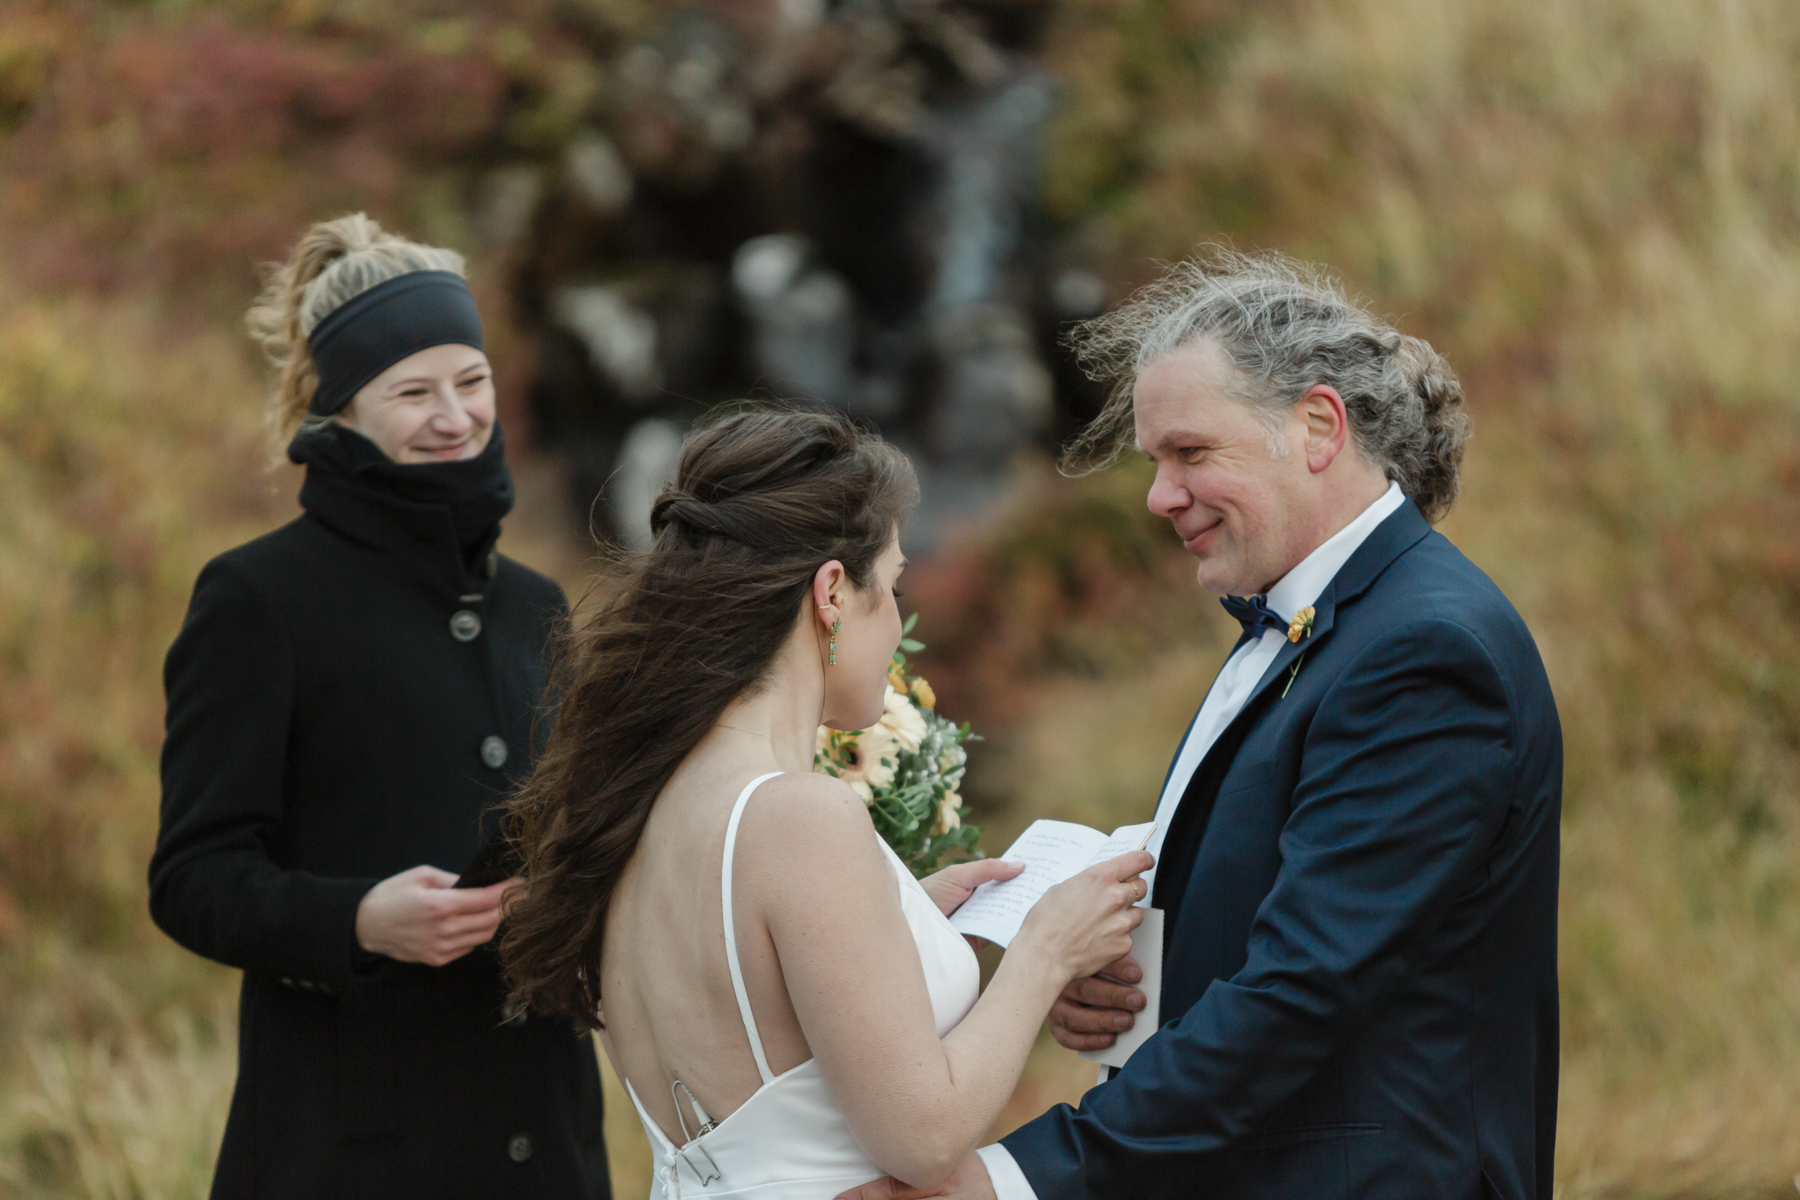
(761, 500)
(333, 263)
(1285, 327)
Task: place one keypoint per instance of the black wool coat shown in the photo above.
(350, 696)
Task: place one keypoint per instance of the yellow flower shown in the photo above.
(861, 757)
(901, 720)
(1302, 624)
(947, 816)
(896, 680)
(923, 694)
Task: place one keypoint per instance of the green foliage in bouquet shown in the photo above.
(908, 767)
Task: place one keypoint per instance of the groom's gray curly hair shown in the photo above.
(1285, 327)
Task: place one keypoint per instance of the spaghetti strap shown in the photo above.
(789, 1139)
(731, 953)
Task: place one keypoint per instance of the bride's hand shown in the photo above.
(949, 887)
(1085, 922)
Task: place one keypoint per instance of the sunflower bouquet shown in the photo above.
(908, 768)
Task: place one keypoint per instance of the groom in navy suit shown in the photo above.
(1360, 864)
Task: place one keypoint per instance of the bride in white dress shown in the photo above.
(791, 1011)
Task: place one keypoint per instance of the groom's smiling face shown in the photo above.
(1239, 508)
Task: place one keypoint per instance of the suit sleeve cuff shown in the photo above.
(1003, 1172)
(339, 956)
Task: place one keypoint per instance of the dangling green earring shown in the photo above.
(835, 626)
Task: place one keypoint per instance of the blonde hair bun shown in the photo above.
(333, 263)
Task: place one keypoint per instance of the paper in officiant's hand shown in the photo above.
(1052, 851)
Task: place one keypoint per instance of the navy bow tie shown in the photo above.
(1254, 614)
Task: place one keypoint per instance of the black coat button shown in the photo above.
(518, 1147)
(465, 626)
(493, 752)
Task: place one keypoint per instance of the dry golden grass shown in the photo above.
(135, 1110)
(127, 456)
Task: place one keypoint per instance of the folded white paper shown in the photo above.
(1146, 950)
(1052, 851)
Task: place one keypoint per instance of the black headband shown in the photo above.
(371, 332)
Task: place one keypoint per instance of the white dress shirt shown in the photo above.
(1237, 680)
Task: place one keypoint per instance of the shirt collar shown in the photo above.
(1302, 585)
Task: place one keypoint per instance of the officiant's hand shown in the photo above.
(968, 1181)
(1092, 1012)
(420, 916)
(949, 887)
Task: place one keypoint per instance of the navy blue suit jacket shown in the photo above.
(1359, 968)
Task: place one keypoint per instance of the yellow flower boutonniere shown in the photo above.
(1300, 627)
(1302, 624)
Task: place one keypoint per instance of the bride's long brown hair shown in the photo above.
(761, 500)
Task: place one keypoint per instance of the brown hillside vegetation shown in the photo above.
(1593, 208)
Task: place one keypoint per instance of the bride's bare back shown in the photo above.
(670, 1009)
(830, 965)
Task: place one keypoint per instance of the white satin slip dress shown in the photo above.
(788, 1141)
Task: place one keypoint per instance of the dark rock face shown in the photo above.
(826, 203)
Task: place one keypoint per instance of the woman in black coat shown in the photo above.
(349, 699)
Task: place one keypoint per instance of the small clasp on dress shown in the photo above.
(707, 1125)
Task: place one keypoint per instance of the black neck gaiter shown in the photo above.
(477, 492)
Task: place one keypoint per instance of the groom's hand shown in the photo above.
(1092, 1012)
(968, 1181)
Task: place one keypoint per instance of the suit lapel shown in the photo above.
(1389, 540)
(1290, 654)
(1194, 813)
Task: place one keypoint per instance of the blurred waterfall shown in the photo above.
(829, 203)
